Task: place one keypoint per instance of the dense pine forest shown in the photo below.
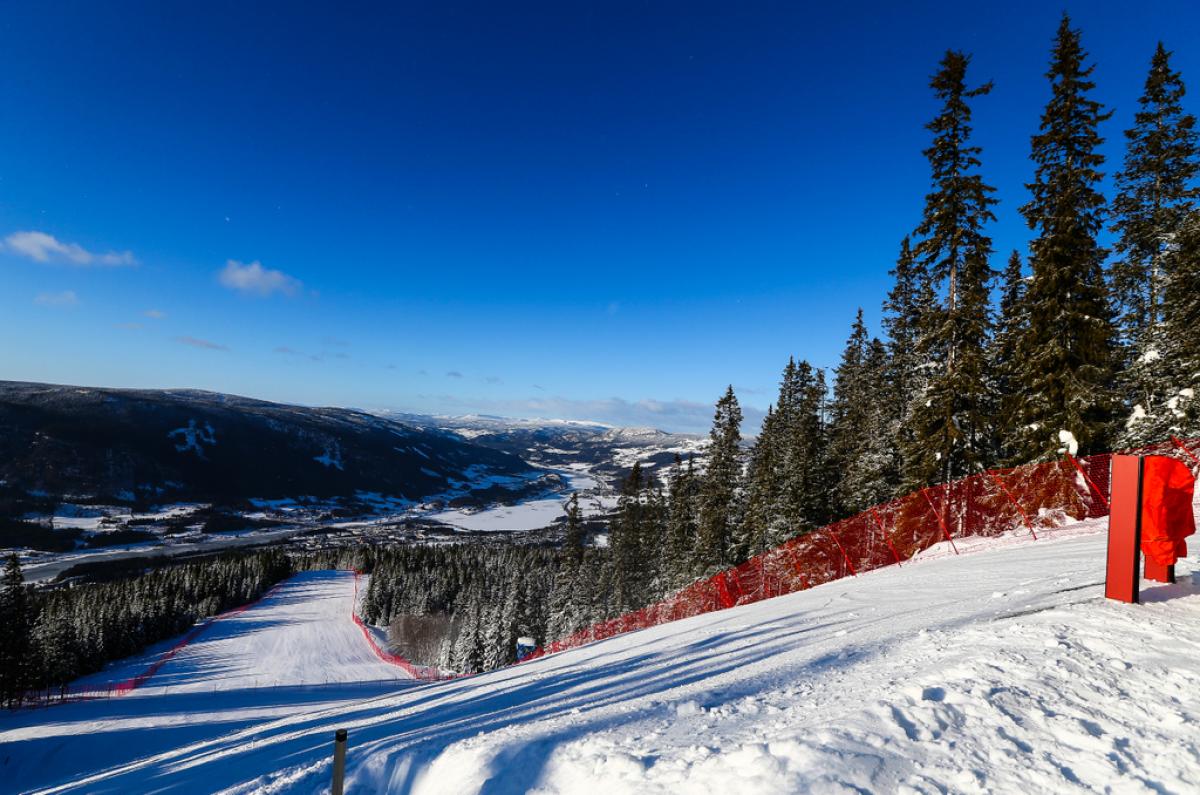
(50, 637)
(1070, 346)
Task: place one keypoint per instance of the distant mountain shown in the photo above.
(138, 446)
(606, 451)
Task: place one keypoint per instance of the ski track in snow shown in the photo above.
(1001, 671)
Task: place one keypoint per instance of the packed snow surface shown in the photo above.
(999, 670)
(300, 633)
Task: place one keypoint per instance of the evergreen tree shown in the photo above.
(682, 522)
(905, 314)
(1182, 310)
(15, 626)
(948, 435)
(573, 539)
(861, 455)
(805, 501)
(1067, 350)
(1156, 197)
(628, 554)
(1004, 362)
(764, 484)
(720, 490)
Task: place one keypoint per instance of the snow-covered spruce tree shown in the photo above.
(1003, 358)
(573, 538)
(678, 562)
(15, 628)
(1182, 312)
(629, 575)
(807, 479)
(721, 486)
(1066, 353)
(860, 446)
(562, 616)
(905, 312)
(764, 485)
(948, 434)
(1156, 195)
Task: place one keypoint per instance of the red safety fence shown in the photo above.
(1018, 500)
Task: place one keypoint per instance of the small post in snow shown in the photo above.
(339, 761)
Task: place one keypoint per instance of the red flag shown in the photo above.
(1167, 518)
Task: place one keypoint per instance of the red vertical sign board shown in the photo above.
(1124, 529)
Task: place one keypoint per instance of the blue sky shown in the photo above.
(602, 210)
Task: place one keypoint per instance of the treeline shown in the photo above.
(50, 637)
(1085, 349)
(482, 597)
(1070, 347)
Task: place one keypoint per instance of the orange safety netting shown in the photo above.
(997, 502)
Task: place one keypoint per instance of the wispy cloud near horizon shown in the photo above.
(677, 415)
(196, 342)
(63, 300)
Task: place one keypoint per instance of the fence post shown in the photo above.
(1013, 500)
(882, 532)
(940, 521)
(1090, 482)
(849, 565)
(339, 761)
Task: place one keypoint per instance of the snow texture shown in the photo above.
(999, 670)
(193, 438)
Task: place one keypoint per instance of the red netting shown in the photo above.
(1022, 500)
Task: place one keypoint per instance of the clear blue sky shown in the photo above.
(606, 210)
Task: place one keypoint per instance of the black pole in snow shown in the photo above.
(339, 761)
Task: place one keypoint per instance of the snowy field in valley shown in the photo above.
(1000, 670)
(531, 514)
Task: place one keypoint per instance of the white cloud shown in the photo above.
(155, 314)
(199, 343)
(66, 298)
(254, 279)
(41, 247)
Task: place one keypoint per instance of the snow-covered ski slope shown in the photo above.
(300, 633)
(1000, 670)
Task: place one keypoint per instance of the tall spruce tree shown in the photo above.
(719, 495)
(764, 486)
(1182, 311)
(573, 538)
(1004, 362)
(861, 460)
(1067, 350)
(682, 512)
(905, 312)
(1156, 196)
(15, 632)
(626, 539)
(807, 482)
(949, 433)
